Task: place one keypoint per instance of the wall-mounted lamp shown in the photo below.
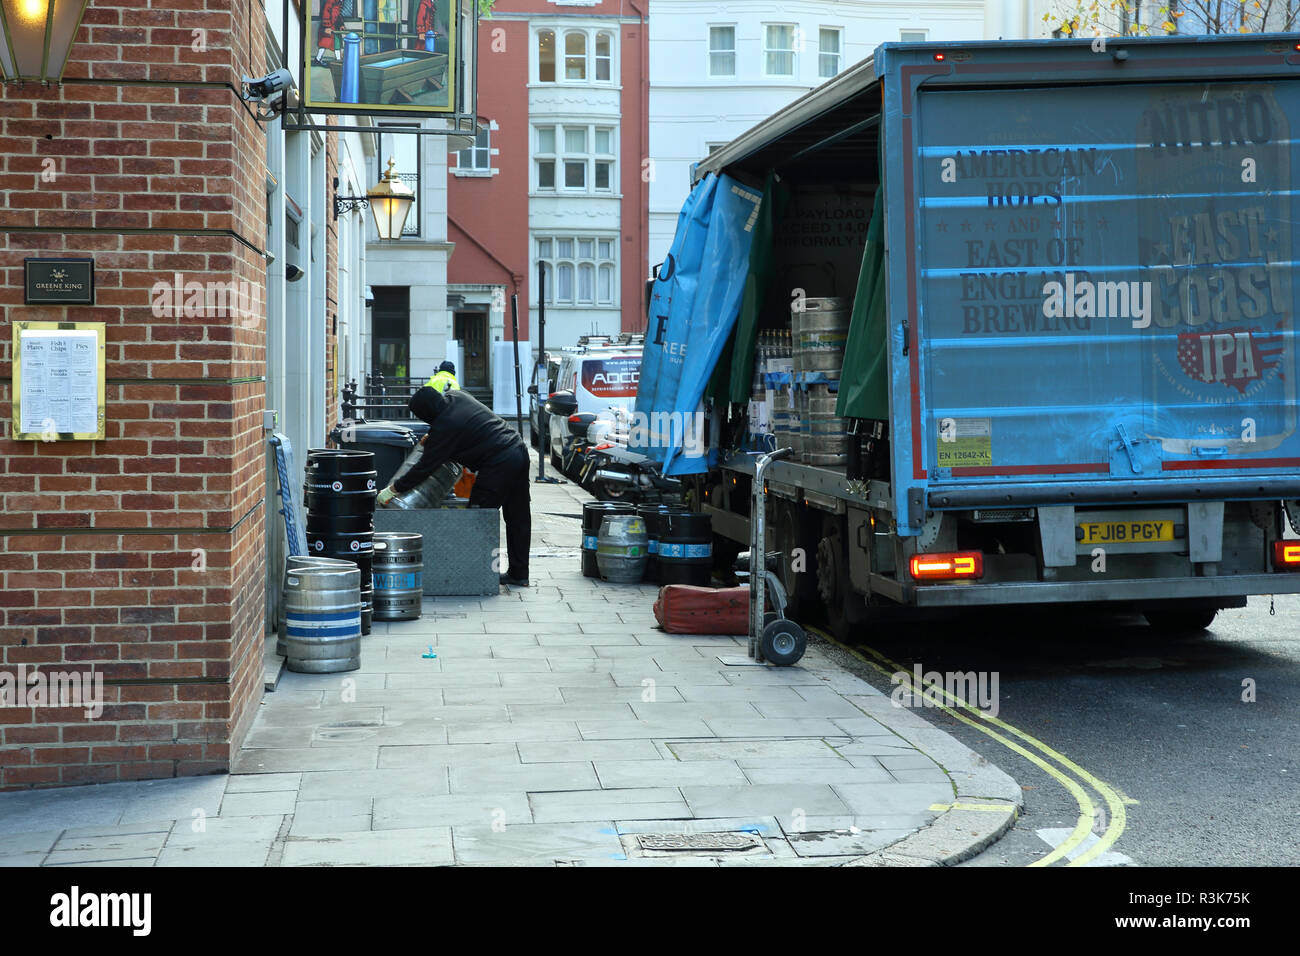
(389, 202)
(36, 37)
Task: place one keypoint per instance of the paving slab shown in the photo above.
(594, 805)
(416, 846)
(537, 844)
(778, 800)
(351, 784)
(541, 752)
(396, 813)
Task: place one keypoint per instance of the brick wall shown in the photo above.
(140, 557)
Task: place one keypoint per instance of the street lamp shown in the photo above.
(389, 201)
(36, 37)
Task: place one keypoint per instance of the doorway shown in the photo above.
(471, 330)
(390, 350)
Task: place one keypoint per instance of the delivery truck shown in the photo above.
(1026, 314)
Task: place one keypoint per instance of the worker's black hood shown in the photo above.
(427, 404)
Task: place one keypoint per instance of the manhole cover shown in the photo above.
(699, 842)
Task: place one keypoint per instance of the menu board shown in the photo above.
(58, 380)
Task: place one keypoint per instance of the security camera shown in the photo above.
(268, 85)
(292, 273)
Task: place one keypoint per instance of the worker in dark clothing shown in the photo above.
(463, 430)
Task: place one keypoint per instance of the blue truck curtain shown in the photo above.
(693, 307)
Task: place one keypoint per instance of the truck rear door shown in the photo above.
(1099, 302)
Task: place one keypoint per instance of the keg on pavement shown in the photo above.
(651, 515)
(620, 549)
(685, 554)
(827, 443)
(823, 332)
(323, 620)
(293, 563)
(398, 575)
(430, 493)
(340, 491)
(592, 513)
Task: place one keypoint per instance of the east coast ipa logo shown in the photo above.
(1214, 180)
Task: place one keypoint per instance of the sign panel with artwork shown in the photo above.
(377, 56)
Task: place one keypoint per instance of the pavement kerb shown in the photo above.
(986, 804)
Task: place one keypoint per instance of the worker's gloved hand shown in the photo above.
(386, 496)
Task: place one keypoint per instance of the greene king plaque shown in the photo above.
(59, 281)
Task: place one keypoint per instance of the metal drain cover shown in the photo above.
(699, 842)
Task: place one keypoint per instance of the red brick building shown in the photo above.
(142, 557)
(560, 176)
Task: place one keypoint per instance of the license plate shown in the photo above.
(1119, 532)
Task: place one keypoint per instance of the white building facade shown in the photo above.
(717, 69)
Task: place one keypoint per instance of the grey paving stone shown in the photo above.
(663, 694)
(773, 727)
(912, 761)
(542, 752)
(893, 798)
(439, 680)
(863, 821)
(349, 757)
(574, 712)
(557, 679)
(228, 841)
(445, 755)
(624, 676)
(511, 731)
(616, 774)
(882, 745)
(776, 749)
(672, 710)
(351, 784)
(840, 772)
(178, 798)
(729, 692)
(474, 809)
(139, 862)
(586, 639)
(626, 729)
(530, 778)
(545, 693)
(258, 804)
(323, 817)
(276, 713)
(844, 842)
(527, 627)
(567, 652)
(263, 782)
(421, 846)
(26, 849)
(931, 775)
(820, 708)
(594, 805)
(536, 844)
(405, 713)
(778, 800)
(106, 848)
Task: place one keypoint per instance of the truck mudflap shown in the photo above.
(1231, 588)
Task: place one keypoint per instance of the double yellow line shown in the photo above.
(985, 723)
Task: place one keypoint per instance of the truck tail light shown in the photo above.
(953, 566)
(1286, 555)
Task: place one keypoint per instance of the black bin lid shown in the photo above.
(351, 433)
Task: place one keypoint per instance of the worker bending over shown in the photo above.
(444, 378)
(464, 430)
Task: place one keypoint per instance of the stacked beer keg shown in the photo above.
(823, 332)
(340, 492)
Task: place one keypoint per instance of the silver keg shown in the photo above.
(823, 332)
(621, 549)
(323, 620)
(430, 493)
(398, 575)
(827, 443)
(293, 563)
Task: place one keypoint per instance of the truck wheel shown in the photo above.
(1191, 621)
(844, 607)
(783, 643)
(798, 556)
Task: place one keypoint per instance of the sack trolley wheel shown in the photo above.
(783, 642)
(772, 636)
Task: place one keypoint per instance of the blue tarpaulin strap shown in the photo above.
(693, 306)
(284, 468)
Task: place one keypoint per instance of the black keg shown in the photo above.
(340, 491)
(651, 515)
(685, 548)
(592, 513)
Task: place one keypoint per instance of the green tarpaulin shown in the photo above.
(864, 381)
